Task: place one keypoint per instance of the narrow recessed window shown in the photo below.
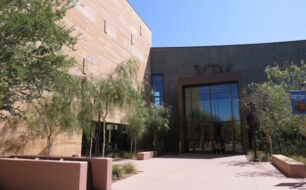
(132, 40)
(158, 89)
(85, 66)
(105, 27)
(140, 31)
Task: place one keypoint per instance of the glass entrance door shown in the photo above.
(212, 115)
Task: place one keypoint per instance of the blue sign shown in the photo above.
(298, 102)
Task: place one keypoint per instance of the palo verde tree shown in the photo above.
(54, 113)
(31, 59)
(114, 93)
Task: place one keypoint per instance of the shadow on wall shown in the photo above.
(14, 136)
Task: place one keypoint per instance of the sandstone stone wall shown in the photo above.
(111, 33)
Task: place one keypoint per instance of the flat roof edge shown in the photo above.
(228, 45)
(139, 15)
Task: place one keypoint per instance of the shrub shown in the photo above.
(119, 171)
(129, 155)
(129, 168)
(261, 156)
(299, 158)
(123, 155)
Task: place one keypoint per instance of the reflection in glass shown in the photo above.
(221, 102)
(238, 138)
(227, 136)
(205, 103)
(158, 89)
(235, 102)
(207, 137)
(206, 106)
(189, 118)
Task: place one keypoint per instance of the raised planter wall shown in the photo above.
(289, 167)
(25, 174)
(146, 155)
(99, 175)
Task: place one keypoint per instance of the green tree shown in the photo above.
(86, 111)
(158, 122)
(270, 104)
(136, 118)
(115, 93)
(290, 78)
(31, 59)
(52, 114)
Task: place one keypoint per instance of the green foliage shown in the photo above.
(117, 172)
(86, 110)
(136, 118)
(50, 115)
(116, 92)
(31, 59)
(261, 156)
(299, 158)
(158, 122)
(122, 155)
(270, 105)
(290, 78)
(121, 171)
(129, 168)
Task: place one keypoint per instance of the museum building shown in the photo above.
(203, 85)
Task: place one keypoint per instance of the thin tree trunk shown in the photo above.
(154, 142)
(49, 144)
(103, 142)
(98, 136)
(135, 145)
(104, 131)
(270, 143)
(91, 141)
(131, 145)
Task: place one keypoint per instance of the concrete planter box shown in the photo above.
(98, 172)
(289, 167)
(146, 155)
(24, 174)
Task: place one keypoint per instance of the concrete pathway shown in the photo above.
(199, 172)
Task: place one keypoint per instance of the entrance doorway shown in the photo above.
(212, 116)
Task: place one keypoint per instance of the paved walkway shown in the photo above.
(199, 172)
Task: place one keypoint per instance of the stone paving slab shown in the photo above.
(211, 172)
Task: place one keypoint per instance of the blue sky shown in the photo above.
(220, 22)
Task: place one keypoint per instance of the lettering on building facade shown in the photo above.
(212, 68)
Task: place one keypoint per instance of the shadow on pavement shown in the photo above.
(270, 173)
(298, 185)
(197, 156)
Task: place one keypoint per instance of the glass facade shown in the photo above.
(116, 139)
(158, 89)
(212, 112)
